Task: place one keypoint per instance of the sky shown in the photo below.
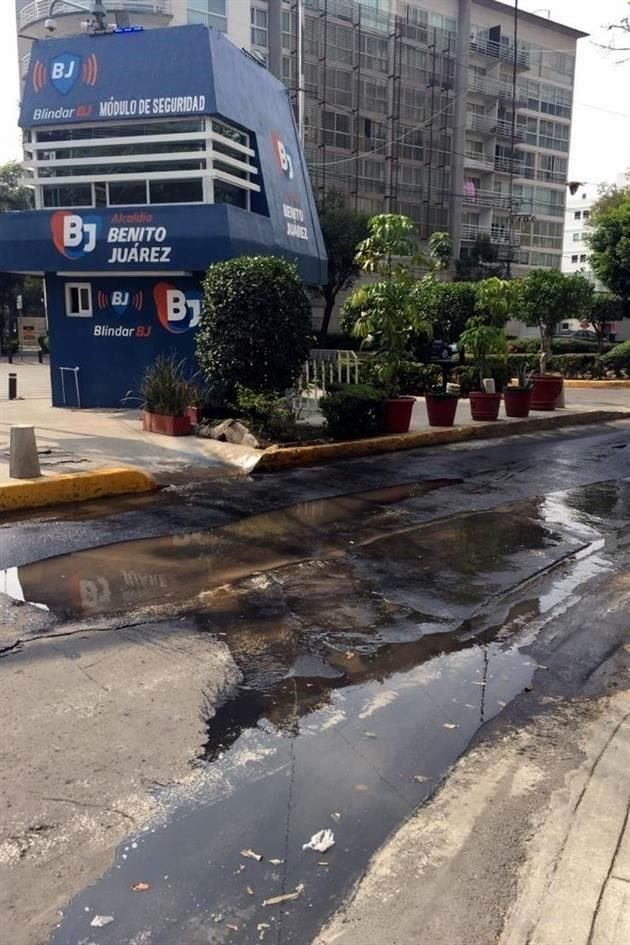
(600, 146)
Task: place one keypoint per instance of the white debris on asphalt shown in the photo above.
(287, 897)
(252, 855)
(321, 841)
(100, 921)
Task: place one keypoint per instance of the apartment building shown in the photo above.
(454, 112)
(576, 252)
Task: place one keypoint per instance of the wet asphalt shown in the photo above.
(382, 612)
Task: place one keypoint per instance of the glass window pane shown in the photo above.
(125, 193)
(228, 193)
(175, 191)
(79, 195)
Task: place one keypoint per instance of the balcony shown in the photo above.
(505, 93)
(504, 130)
(499, 236)
(499, 51)
(505, 165)
(487, 198)
(478, 162)
(36, 12)
(482, 124)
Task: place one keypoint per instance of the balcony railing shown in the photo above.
(497, 235)
(482, 124)
(480, 162)
(38, 9)
(500, 51)
(505, 92)
(504, 130)
(487, 198)
(508, 165)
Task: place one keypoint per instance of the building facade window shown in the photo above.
(209, 13)
(577, 237)
(575, 260)
(78, 299)
(258, 18)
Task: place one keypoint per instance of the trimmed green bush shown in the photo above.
(558, 346)
(618, 358)
(255, 326)
(569, 365)
(353, 410)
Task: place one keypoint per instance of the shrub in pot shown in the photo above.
(352, 410)
(166, 392)
(441, 407)
(488, 348)
(386, 314)
(518, 397)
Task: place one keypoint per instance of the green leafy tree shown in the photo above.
(609, 239)
(343, 228)
(447, 306)
(440, 252)
(481, 262)
(386, 313)
(546, 297)
(495, 300)
(487, 345)
(255, 326)
(606, 308)
(13, 196)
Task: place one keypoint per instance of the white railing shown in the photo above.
(38, 9)
(324, 367)
(484, 124)
(504, 130)
(25, 62)
(487, 198)
(479, 161)
(502, 51)
(499, 236)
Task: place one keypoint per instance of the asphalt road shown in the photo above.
(381, 614)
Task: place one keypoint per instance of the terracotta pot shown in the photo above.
(518, 402)
(398, 412)
(484, 406)
(547, 390)
(166, 425)
(441, 410)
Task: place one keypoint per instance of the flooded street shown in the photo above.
(375, 632)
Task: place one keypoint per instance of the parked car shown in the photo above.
(436, 351)
(584, 334)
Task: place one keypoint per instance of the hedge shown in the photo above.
(558, 346)
(618, 359)
(569, 365)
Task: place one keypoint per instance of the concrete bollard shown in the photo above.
(24, 461)
(12, 386)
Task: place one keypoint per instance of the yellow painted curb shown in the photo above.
(597, 385)
(288, 457)
(73, 487)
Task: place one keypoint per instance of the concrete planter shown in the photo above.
(484, 406)
(518, 402)
(398, 412)
(166, 425)
(547, 390)
(441, 410)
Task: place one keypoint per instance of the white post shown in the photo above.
(24, 461)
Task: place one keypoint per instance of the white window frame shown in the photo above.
(80, 287)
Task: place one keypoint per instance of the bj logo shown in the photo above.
(73, 235)
(177, 311)
(64, 71)
(282, 155)
(119, 300)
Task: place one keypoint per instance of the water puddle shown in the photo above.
(372, 647)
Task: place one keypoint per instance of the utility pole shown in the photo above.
(459, 126)
(513, 144)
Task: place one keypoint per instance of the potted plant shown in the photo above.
(441, 407)
(385, 314)
(488, 347)
(518, 397)
(166, 392)
(546, 297)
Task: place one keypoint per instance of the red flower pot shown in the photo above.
(547, 389)
(484, 406)
(441, 410)
(166, 425)
(398, 412)
(518, 402)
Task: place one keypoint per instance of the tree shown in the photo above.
(546, 297)
(441, 252)
(386, 313)
(605, 309)
(255, 326)
(13, 196)
(495, 300)
(482, 262)
(343, 228)
(609, 240)
(610, 197)
(447, 306)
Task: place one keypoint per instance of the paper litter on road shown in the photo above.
(321, 841)
(276, 862)
(287, 897)
(100, 921)
(252, 855)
